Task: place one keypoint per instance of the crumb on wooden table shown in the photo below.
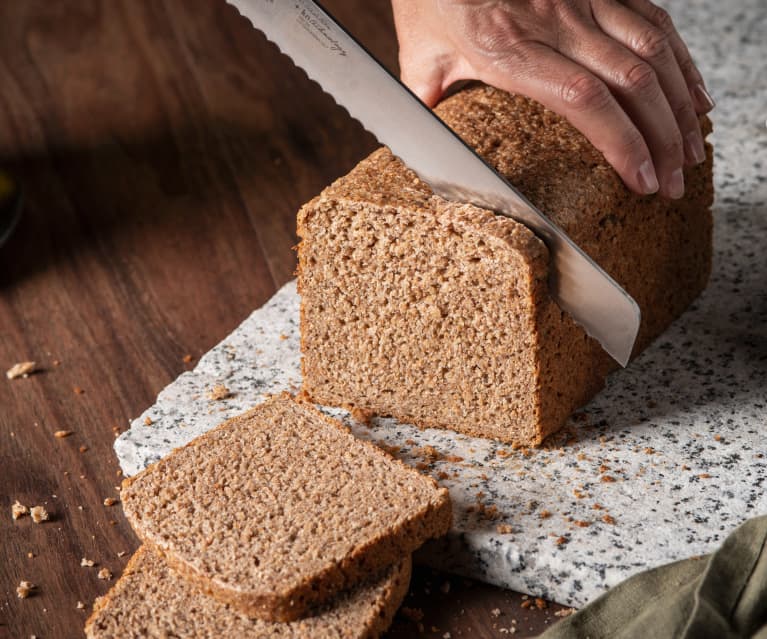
(22, 369)
(25, 589)
(77, 390)
(110, 501)
(104, 573)
(18, 510)
(80, 605)
(39, 514)
(87, 563)
(565, 612)
(413, 614)
(187, 359)
(61, 434)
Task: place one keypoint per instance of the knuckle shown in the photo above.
(584, 92)
(688, 68)
(661, 18)
(650, 43)
(639, 78)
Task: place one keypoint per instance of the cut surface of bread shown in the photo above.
(439, 313)
(281, 508)
(151, 601)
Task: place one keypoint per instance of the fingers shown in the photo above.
(700, 96)
(565, 87)
(651, 44)
(419, 57)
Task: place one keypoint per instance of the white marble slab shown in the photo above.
(681, 432)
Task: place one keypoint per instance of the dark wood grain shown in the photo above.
(164, 147)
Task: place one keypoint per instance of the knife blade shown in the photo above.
(318, 44)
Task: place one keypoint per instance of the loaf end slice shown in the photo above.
(151, 601)
(281, 508)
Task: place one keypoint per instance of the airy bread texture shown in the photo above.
(150, 601)
(281, 508)
(439, 313)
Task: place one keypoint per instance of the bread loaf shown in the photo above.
(439, 313)
(150, 601)
(281, 508)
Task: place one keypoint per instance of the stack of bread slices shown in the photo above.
(278, 523)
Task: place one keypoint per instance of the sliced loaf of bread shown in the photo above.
(281, 508)
(151, 601)
(439, 313)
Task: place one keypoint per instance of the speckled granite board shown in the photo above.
(660, 466)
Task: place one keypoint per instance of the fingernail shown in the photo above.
(704, 97)
(694, 147)
(675, 185)
(647, 178)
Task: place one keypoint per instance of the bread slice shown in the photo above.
(281, 508)
(439, 314)
(150, 601)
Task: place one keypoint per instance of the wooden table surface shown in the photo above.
(164, 148)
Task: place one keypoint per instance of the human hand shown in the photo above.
(617, 70)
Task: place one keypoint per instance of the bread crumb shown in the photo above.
(61, 434)
(25, 589)
(544, 514)
(87, 563)
(56, 362)
(496, 612)
(187, 359)
(361, 415)
(77, 390)
(148, 421)
(582, 524)
(110, 501)
(104, 573)
(704, 476)
(30, 555)
(540, 603)
(83, 449)
(526, 604)
(218, 392)
(413, 614)
(39, 514)
(504, 529)
(18, 510)
(80, 605)
(608, 519)
(608, 479)
(122, 553)
(283, 337)
(565, 612)
(22, 369)
(561, 541)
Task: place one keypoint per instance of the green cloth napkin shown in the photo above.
(717, 596)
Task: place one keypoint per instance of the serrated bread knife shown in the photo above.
(303, 30)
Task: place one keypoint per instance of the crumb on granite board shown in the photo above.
(218, 392)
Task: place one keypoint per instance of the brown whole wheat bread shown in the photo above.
(439, 313)
(151, 601)
(281, 508)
